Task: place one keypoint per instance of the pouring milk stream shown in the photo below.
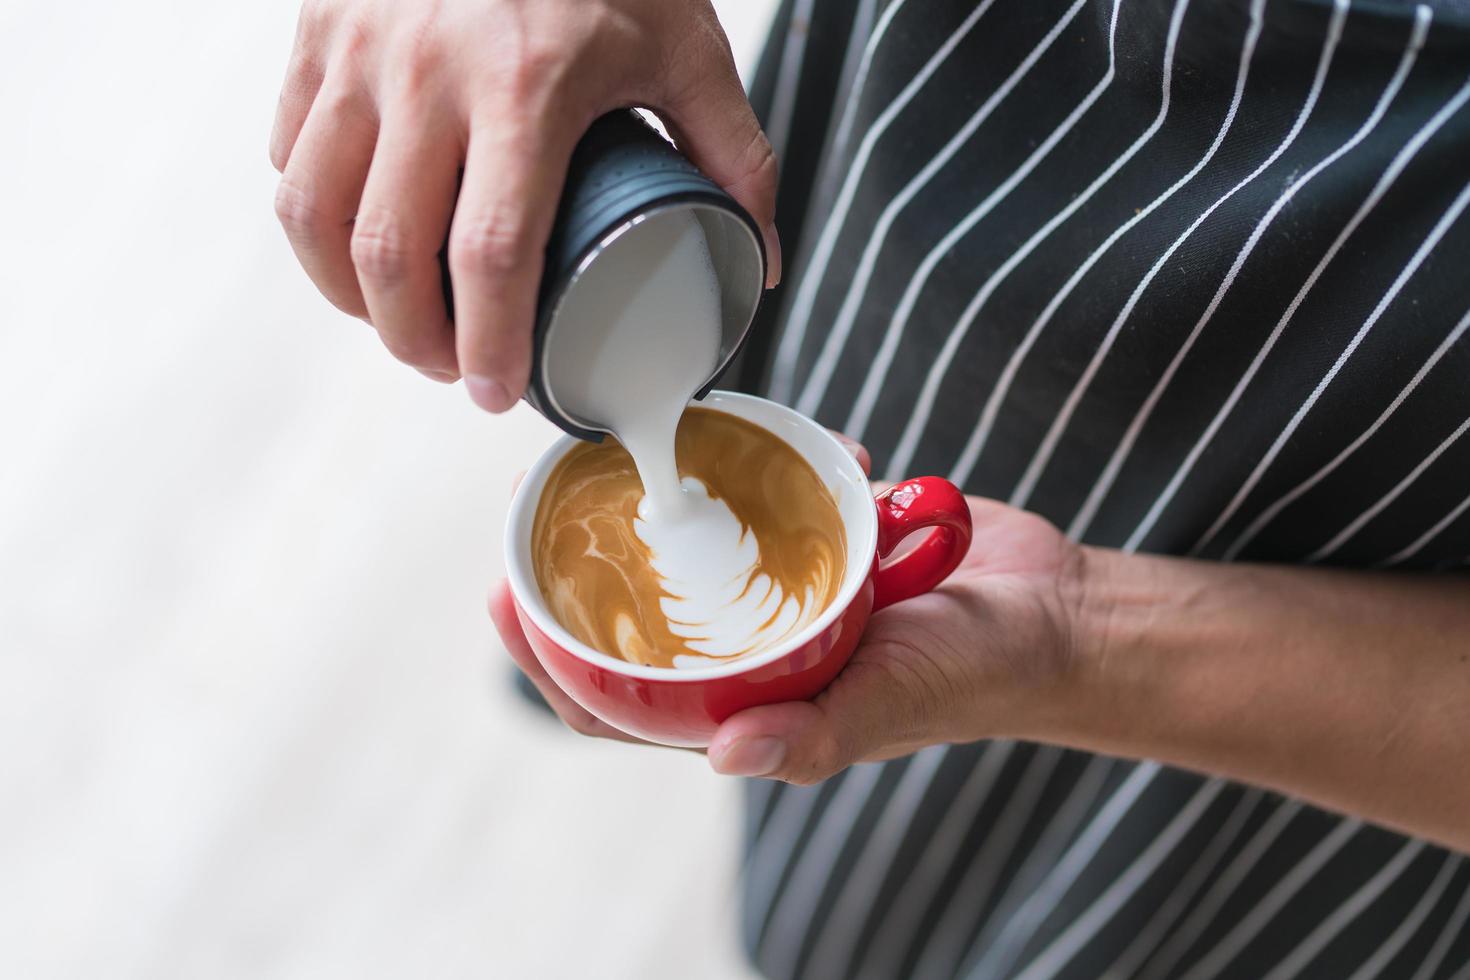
(640, 335)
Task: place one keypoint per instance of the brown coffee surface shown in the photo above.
(596, 574)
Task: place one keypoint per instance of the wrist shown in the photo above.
(1120, 609)
(1157, 649)
(1119, 594)
(1055, 682)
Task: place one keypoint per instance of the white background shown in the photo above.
(253, 719)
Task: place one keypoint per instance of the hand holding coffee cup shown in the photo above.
(995, 653)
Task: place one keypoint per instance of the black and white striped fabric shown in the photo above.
(1184, 276)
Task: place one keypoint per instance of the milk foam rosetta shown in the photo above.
(758, 552)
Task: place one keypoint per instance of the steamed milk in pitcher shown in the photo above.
(642, 333)
(676, 577)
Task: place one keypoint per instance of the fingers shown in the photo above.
(863, 717)
(319, 193)
(399, 233)
(858, 450)
(578, 718)
(513, 178)
(796, 742)
(711, 119)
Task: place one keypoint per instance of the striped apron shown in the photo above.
(1183, 276)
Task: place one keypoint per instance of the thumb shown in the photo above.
(711, 120)
(805, 742)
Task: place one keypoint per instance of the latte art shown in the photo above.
(716, 596)
(757, 555)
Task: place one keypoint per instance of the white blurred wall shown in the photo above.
(253, 720)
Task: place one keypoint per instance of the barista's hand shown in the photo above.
(1291, 678)
(986, 654)
(387, 101)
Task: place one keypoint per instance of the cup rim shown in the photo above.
(861, 548)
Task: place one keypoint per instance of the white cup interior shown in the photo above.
(841, 473)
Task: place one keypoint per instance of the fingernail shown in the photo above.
(773, 255)
(759, 755)
(488, 393)
(443, 377)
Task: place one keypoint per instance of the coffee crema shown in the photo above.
(759, 557)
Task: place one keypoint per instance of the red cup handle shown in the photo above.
(912, 506)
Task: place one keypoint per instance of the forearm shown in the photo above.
(1349, 689)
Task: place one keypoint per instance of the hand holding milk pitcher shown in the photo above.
(405, 126)
(707, 559)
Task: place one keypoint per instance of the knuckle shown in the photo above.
(815, 771)
(531, 61)
(822, 758)
(830, 758)
(497, 244)
(758, 167)
(765, 169)
(536, 62)
(418, 56)
(343, 105)
(381, 251)
(300, 212)
(355, 40)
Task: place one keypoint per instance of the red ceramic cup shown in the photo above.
(684, 707)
